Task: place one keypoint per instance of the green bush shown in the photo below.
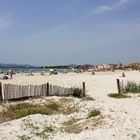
(78, 92)
(94, 113)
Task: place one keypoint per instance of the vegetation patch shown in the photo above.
(94, 113)
(44, 134)
(19, 110)
(35, 130)
(118, 96)
(76, 127)
(131, 87)
(24, 137)
(71, 122)
(68, 109)
(88, 98)
(25, 109)
(78, 92)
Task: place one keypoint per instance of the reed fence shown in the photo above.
(10, 91)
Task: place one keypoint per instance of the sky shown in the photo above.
(60, 32)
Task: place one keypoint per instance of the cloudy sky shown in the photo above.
(57, 32)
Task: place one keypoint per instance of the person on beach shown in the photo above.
(11, 74)
(42, 73)
(29, 74)
(4, 77)
(123, 75)
(8, 75)
(93, 73)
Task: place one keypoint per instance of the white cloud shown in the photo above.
(105, 8)
(102, 9)
(124, 1)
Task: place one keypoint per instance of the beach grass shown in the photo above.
(24, 109)
(117, 95)
(131, 87)
(19, 110)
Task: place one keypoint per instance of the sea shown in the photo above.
(33, 70)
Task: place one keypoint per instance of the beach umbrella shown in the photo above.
(51, 70)
(9, 70)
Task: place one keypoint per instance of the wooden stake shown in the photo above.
(47, 89)
(0, 92)
(84, 89)
(118, 86)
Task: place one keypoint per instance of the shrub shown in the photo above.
(94, 113)
(131, 87)
(78, 92)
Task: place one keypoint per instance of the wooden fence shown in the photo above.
(10, 91)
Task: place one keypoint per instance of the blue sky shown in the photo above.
(57, 32)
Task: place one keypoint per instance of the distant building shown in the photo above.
(107, 66)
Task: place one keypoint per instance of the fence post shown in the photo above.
(47, 89)
(118, 86)
(0, 92)
(84, 89)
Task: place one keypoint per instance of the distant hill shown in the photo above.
(2, 65)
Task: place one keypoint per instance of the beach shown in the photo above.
(120, 118)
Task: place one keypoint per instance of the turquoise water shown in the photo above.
(34, 70)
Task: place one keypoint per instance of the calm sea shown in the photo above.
(34, 70)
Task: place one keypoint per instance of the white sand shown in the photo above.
(122, 116)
